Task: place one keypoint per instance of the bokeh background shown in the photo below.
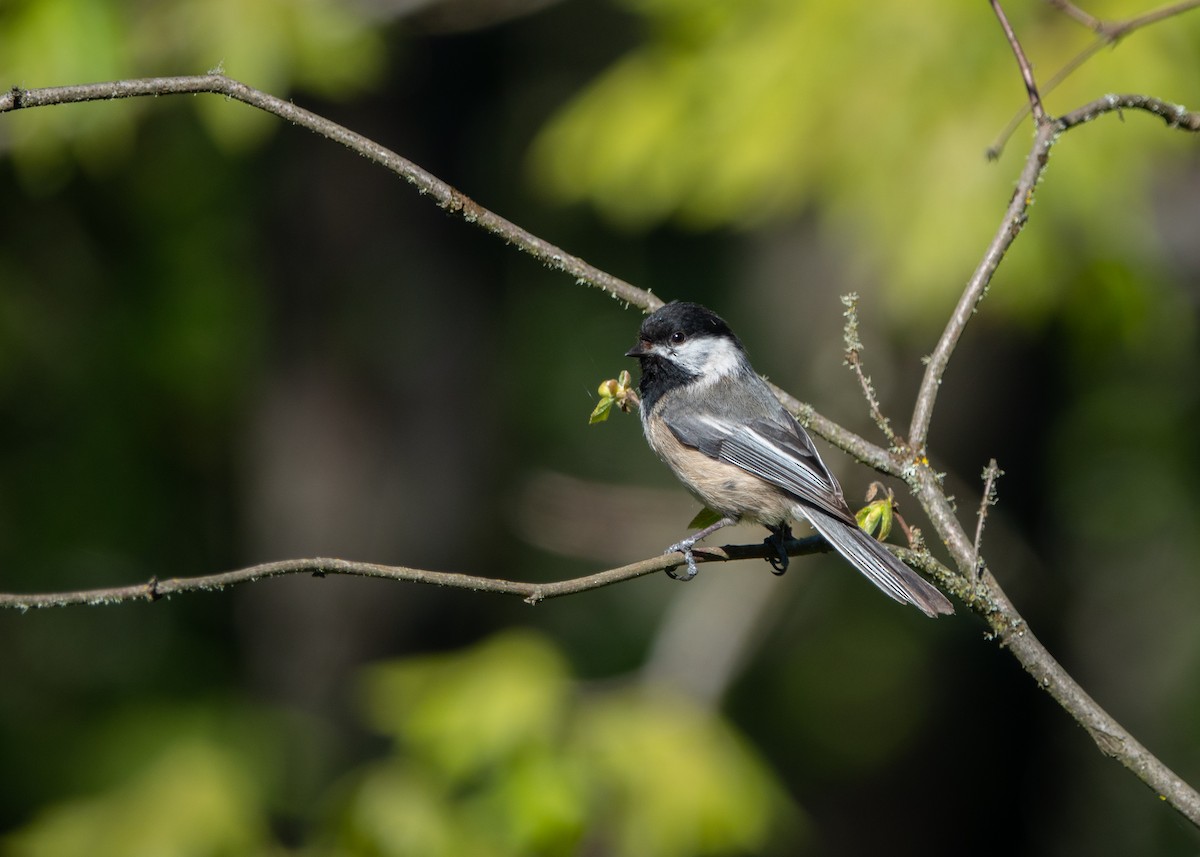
(224, 340)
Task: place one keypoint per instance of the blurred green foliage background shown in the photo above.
(223, 341)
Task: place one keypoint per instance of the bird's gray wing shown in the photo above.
(783, 455)
(774, 450)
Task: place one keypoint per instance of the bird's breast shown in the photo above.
(723, 487)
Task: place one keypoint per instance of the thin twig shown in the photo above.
(1035, 100)
(158, 588)
(1113, 31)
(1072, 11)
(991, 474)
(1176, 116)
(854, 349)
(1119, 30)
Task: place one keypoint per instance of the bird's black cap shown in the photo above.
(680, 317)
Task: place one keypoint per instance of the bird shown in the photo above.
(718, 426)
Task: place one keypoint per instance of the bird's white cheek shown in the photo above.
(724, 358)
(710, 358)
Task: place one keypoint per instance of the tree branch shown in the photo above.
(1075, 13)
(1031, 89)
(157, 588)
(991, 474)
(1107, 34)
(983, 593)
(444, 195)
(447, 198)
(989, 600)
(1048, 132)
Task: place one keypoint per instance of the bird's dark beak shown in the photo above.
(639, 350)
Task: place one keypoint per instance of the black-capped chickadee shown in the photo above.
(718, 426)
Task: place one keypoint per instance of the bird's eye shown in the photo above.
(678, 337)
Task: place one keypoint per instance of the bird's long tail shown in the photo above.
(878, 564)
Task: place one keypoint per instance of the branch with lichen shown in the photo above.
(854, 349)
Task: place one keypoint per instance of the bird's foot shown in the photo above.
(778, 541)
(684, 547)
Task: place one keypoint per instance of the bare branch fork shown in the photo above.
(1108, 33)
(970, 580)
